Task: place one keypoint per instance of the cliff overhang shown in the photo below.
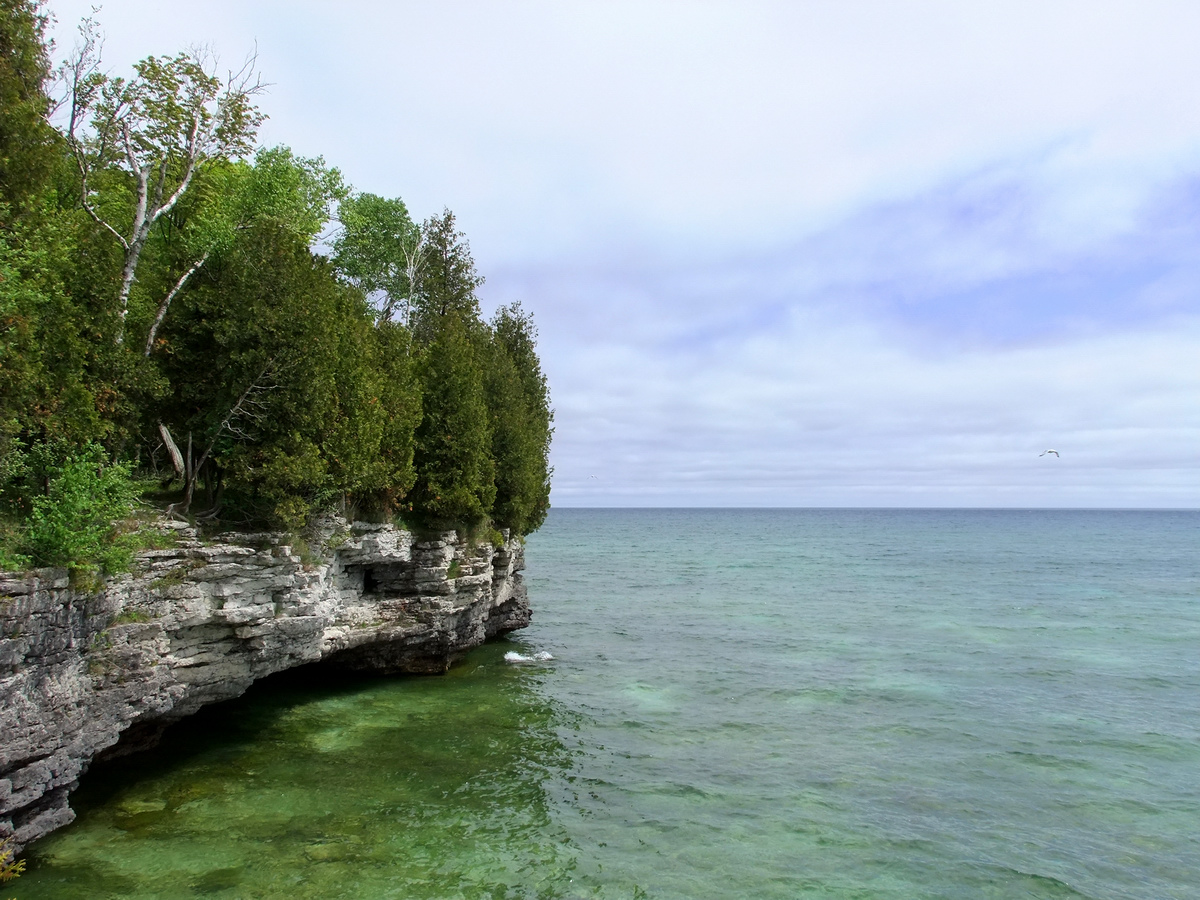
(88, 674)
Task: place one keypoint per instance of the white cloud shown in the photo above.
(547, 124)
(790, 253)
(825, 413)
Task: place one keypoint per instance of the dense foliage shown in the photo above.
(165, 320)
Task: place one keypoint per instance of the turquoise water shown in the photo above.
(757, 703)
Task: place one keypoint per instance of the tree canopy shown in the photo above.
(26, 141)
(167, 315)
(380, 250)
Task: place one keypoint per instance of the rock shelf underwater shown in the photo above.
(90, 675)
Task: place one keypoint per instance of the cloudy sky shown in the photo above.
(788, 254)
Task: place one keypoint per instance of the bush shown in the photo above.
(11, 540)
(75, 522)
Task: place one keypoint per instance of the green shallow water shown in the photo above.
(372, 788)
(771, 703)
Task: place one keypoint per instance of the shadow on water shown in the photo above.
(316, 784)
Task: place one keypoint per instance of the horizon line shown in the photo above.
(903, 508)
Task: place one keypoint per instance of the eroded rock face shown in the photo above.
(201, 622)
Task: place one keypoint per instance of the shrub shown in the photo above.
(75, 522)
(11, 539)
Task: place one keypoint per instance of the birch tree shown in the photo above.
(157, 129)
(380, 250)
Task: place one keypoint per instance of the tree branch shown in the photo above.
(162, 307)
(172, 450)
(87, 208)
(183, 186)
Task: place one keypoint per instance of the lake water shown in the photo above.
(743, 703)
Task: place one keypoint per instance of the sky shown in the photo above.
(787, 254)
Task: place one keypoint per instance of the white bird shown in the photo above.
(1044, 452)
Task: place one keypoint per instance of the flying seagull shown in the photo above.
(1044, 452)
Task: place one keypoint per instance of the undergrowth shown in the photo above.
(10, 868)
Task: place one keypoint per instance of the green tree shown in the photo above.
(230, 197)
(370, 382)
(446, 280)
(285, 385)
(379, 250)
(47, 362)
(519, 408)
(27, 152)
(250, 359)
(370, 442)
(455, 485)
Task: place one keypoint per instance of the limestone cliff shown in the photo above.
(200, 622)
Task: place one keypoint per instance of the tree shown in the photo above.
(27, 150)
(291, 191)
(157, 129)
(275, 379)
(447, 279)
(455, 484)
(250, 358)
(380, 250)
(519, 407)
(368, 440)
(48, 375)
(291, 392)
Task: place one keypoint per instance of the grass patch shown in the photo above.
(300, 547)
(176, 576)
(86, 579)
(154, 539)
(130, 617)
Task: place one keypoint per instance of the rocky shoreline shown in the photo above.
(86, 675)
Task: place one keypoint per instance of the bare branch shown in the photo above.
(250, 405)
(166, 207)
(87, 207)
(414, 257)
(81, 73)
(130, 155)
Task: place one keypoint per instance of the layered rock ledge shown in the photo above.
(201, 622)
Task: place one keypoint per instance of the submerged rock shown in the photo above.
(89, 675)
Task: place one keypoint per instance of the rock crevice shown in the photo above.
(202, 621)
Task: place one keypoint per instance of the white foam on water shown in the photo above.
(513, 657)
